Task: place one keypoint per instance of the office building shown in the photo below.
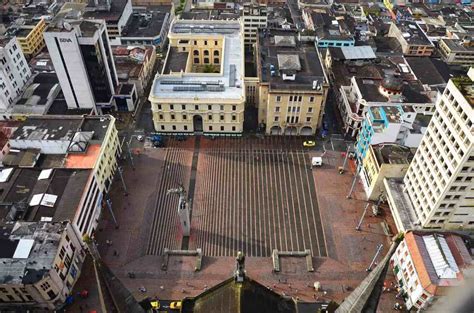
(201, 87)
(440, 180)
(84, 63)
(411, 37)
(427, 265)
(457, 52)
(254, 16)
(292, 84)
(29, 34)
(14, 72)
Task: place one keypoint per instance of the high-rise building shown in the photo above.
(440, 180)
(14, 71)
(83, 60)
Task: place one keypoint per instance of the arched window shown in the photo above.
(196, 52)
(216, 53)
(206, 52)
(196, 60)
(206, 60)
(216, 60)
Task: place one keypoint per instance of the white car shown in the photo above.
(316, 161)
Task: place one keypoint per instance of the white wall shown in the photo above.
(73, 66)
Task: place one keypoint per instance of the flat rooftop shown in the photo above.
(413, 33)
(147, 23)
(273, 46)
(457, 46)
(411, 91)
(392, 154)
(228, 84)
(116, 10)
(61, 128)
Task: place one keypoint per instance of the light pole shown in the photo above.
(354, 181)
(379, 248)
(362, 217)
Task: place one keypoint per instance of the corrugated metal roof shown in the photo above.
(358, 52)
(441, 256)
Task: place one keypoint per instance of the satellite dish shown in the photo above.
(67, 26)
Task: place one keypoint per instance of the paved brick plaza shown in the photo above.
(252, 195)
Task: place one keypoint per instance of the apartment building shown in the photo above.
(440, 180)
(365, 93)
(201, 87)
(391, 124)
(254, 16)
(14, 72)
(382, 161)
(30, 36)
(292, 84)
(457, 52)
(411, 37)
(83, 60)
(427, 265)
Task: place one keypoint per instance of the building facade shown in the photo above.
(427, 265)
(30, 37)
(201, 88)
(254, 16)
(84, 63)
(457, 52)
(380, 162)
(411, 37)
(390, 124)
(440, 179)
(14, 72)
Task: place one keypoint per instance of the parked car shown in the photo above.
(175, 305)
(309, 143)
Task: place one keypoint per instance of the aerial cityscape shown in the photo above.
(256, 156)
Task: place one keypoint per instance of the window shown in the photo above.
(209, 107)
(216, 53)
(216, 60)
(311, 99)
(216, 43)
(210, 128)
(234, 107)
(277, 118)
(206, 52)
(196, 52)
(196, 107)
(206, 60)
(161, 117)
(222, 128)
(185, 117)
(196, 60)
(162, 127)
(277, 109)
(172, 116)
(233, 128)
(234, 118)
(174, 127)
(183, 107)
(210, 117)
(308, 119)
(310, 110)
(171, 107)
(222, 117)
(222, 107)
(195, 42)
(278, 98)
